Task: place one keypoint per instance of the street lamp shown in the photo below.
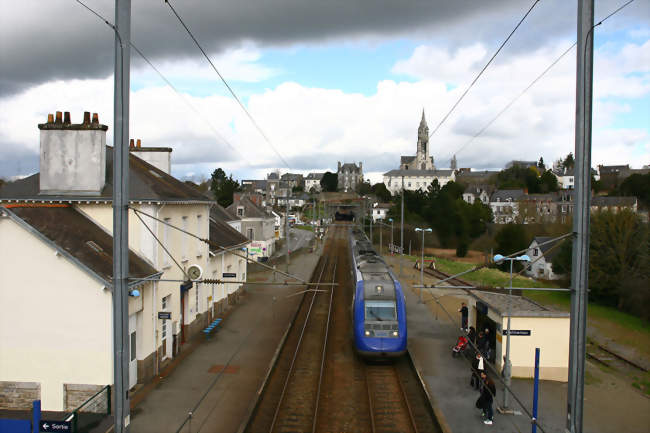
(422, 262)
(507, 368)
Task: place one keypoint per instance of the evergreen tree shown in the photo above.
(223, 187)
(329, 182)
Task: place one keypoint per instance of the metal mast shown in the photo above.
(121, 215)
(580, 261)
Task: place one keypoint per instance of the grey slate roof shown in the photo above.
(146, 183)
(546, 249)
(224, 235)
(505, 194)
(520, 305)
(315, 176)
(251, 210)
(80, 238)
(350, 166)
(218, 212)
(602, 201)
(434, 173)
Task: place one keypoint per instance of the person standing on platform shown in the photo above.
(487, 398)
(478, 367)
(464, 314)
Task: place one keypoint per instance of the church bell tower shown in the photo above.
(424, 162)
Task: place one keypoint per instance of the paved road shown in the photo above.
(298, 239)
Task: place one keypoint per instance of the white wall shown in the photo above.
(56, 323)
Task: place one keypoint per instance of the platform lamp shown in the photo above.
(507, 368)
(422, 262)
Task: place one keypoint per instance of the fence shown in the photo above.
(91, 412)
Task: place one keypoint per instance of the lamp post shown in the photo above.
(391, 232)
(417, 229)
(380, 236)
(507, 368)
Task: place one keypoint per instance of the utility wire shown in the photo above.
(484, 68)
(174, 89)
(232, 92)
(504, 109)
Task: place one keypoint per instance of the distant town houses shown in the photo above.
(59, 223)
(419, 171)
(481, 192)
(312, 182)
(258, 226)
(611, 176)
(380, 211)
(350, 176)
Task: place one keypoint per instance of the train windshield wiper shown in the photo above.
(372, 313)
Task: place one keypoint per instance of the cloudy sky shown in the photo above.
(328, 81)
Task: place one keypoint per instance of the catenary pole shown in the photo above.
(580, 259)
(401, 253)
(120, 215)
(286, 230)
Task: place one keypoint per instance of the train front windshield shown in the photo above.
(380, 311)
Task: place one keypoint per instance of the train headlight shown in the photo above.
(367, 333)
(395, 333)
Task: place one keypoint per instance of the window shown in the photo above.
(240, 211)
(132, 347)
(185, 243)
(199, 231)
(165, 305)
(251, 233)
(535, 252)
(380, 310)
(166, 261)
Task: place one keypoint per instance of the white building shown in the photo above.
(83, 187)
(257, 225)
(505, 205)
(542, 256)
(379, 211)
(312, 182)
(478, 192)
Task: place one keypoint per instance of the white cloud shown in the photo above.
(313, 128)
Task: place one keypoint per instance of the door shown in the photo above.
(133, 359)
(166, 331)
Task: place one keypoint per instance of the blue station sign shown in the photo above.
(56, 426)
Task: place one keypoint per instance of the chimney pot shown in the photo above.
(95, 118)
(131, 143)
(66, 117)
(59, 117)
(86, 117)
(50, 118)
(138, 143)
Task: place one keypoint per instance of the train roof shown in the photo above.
(375, 272)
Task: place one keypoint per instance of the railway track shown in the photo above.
(319, 384)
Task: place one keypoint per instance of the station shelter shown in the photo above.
(531, 325)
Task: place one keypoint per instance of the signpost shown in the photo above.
(49, 426)
(229, 275)
(525, 332)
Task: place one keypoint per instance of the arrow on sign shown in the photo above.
(46, 426)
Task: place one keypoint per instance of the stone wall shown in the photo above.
(19, 395)
(75, 395)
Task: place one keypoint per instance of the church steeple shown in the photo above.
(424, 162)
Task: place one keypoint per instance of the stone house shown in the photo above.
(350, 176)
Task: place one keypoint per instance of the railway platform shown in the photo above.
(227, 369)
(608, 407)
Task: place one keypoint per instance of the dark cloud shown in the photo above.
(43, 41)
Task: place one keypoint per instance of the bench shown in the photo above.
(212, 326)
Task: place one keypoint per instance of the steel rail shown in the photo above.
(406, 400)
(295, 355)
(373, 428)
(322, 363)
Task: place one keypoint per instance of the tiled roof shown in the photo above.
(79, 237)
(504, 194)
(218, 212)
(251, 210)
(428, 173)
(602, 201)
(146, 183)
(315, 176)
(546, 249)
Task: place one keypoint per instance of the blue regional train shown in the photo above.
(379, 307)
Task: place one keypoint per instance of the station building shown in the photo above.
(56, 267)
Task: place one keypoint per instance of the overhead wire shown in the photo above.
(232, 92)
(548, 68)
(484, 68)
(171, 85)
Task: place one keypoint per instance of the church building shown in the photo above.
(419, 171)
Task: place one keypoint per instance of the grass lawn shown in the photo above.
(304, 227)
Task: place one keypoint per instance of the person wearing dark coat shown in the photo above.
(480, 341)
(486, 399)
(464, 314)
(471, 335)
(478, 367)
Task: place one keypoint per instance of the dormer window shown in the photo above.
(240, 211)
